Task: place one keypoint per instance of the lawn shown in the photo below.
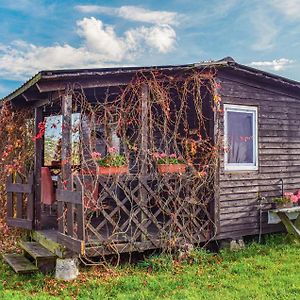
(267, 271)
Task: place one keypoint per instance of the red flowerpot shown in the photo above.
(171, 168)
(88, 171)
(112, 170)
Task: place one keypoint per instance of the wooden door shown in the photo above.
(20, 206)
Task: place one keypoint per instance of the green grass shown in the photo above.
(269, 271)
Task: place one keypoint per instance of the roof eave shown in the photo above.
(268, 75)
(24, 87)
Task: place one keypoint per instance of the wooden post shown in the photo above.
(66, 156)
(144, 150)
(66, 140)
(144, 128)
(215, 208)
(38, 162)
(10, 200)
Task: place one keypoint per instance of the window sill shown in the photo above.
(240, 169)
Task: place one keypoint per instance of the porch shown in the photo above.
(92, 213)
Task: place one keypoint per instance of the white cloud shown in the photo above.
(134, 13)
(275, 65)
(160, 37)
(290, 8)
(102, 39)
(21, 59)
(266, 31)
(100, 47)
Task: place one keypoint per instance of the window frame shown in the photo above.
(242, 109)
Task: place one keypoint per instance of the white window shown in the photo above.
(240, 133)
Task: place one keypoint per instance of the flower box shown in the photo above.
(283, 205)
(171, 168)
(88, 171)
(56, 163)
(102, 170)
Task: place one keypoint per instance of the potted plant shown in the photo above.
(287, 201)
(169, 163)
(111, 164)
(293, 198)
(281, 202)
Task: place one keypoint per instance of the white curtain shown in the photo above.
(240, 137)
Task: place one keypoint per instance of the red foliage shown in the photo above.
(42, 129)
(17, 156)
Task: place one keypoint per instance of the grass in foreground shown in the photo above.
(269, 271)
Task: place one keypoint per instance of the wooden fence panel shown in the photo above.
(20, 202)
(71, 217)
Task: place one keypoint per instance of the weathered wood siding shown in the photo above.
(278, 155)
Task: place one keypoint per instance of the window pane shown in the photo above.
(52, 140)
(240, 137)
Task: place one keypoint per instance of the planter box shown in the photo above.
(112, 170)
(89, 171)
(56, 163)
(171, 168)
(282, 205)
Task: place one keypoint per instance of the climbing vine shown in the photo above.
(17, 155)
(156, 120)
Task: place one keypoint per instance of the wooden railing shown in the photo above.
(20, 205)
(70, 213)
(131, 213)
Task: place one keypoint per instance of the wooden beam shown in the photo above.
(297, 222)
(34, 96)
(40, 103)
(62, 83)
(20, 223)
(69, 196)
(292, 230)
(51, 97)
(18, 188)
(75, 245)
(38, 162)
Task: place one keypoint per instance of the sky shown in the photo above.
(40, 35)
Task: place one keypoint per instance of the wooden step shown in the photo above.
(19, 263)
(48, 239)
(37, 251)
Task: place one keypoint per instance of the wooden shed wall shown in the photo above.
(278, 155)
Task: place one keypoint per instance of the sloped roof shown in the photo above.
(226, 62)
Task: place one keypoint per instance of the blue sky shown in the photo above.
(39, 35)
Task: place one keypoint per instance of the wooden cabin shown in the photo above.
(233, 129)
